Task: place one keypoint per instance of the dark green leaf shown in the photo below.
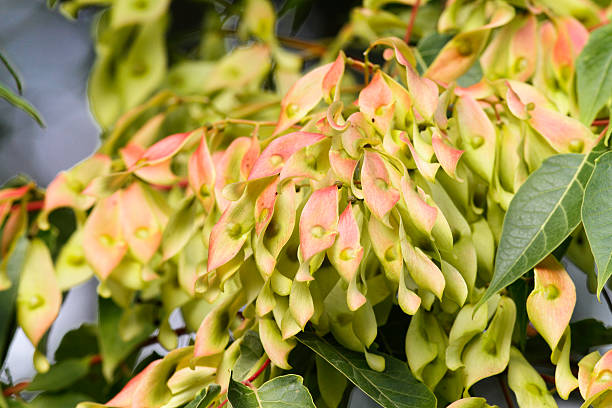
(597, 217)
(589, 333)
(594, 74)
(281, 392)
(69, 399)
(112, 347)
(543, 212)
(473, 76)
(205, 397)
(519, 291)
(20, 103)
(395, 387)
(429, 47)
(251, 351)
(8, 297)
(81, 342)
(61, 375)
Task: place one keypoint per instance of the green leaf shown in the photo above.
(395, 387)
(80, 342)
(69, 399)
(13, 72)
(543, 212)
(20, 103)
(594, 74)
(61, 375)
(596, 217)
(8, 297)
(251, 351)
(205, 397)
(471, 77)
(519, 291)
(112, 347)
(429, 47)
(589, 333)
(281, 392)
(180, 228)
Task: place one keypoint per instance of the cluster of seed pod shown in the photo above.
(350, 204)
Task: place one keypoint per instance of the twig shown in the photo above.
(413, 14)
(606, 296)
(600, 122)
(15, 389)
(506, 392)
(251, 378)
(152, 340)
(31, 206)
(548, 378)
(258, 372)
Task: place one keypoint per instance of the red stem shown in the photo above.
(32, 206)
(413, 14)
(258, 372)
(251, 378)
(16, 389)
(600, 122)
(506, 392)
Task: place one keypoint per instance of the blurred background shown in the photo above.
(54, 56)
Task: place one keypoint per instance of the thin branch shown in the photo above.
(15, 389)
(606, 296)
(506, 392)
(251, 378)
(258, 372)
(413, 14)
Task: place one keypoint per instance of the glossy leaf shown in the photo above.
(544, 211)
(205, 397)
(395, 387)
(594, 74)
(281, 392)
(596, 208)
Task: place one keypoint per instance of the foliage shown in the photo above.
(302, 224)
(16, 99)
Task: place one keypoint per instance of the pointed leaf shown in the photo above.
(563, 133)
(103, 239)
(38, 296)
(594, 74)
(379, 195)
(205, 397)
(478, 137)
(543, 212)
(304, 95)
(319, 222)
(395, 387)
(346, 253)
(551, 304)
(277, 153)
(596, 207)
(376, 103)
